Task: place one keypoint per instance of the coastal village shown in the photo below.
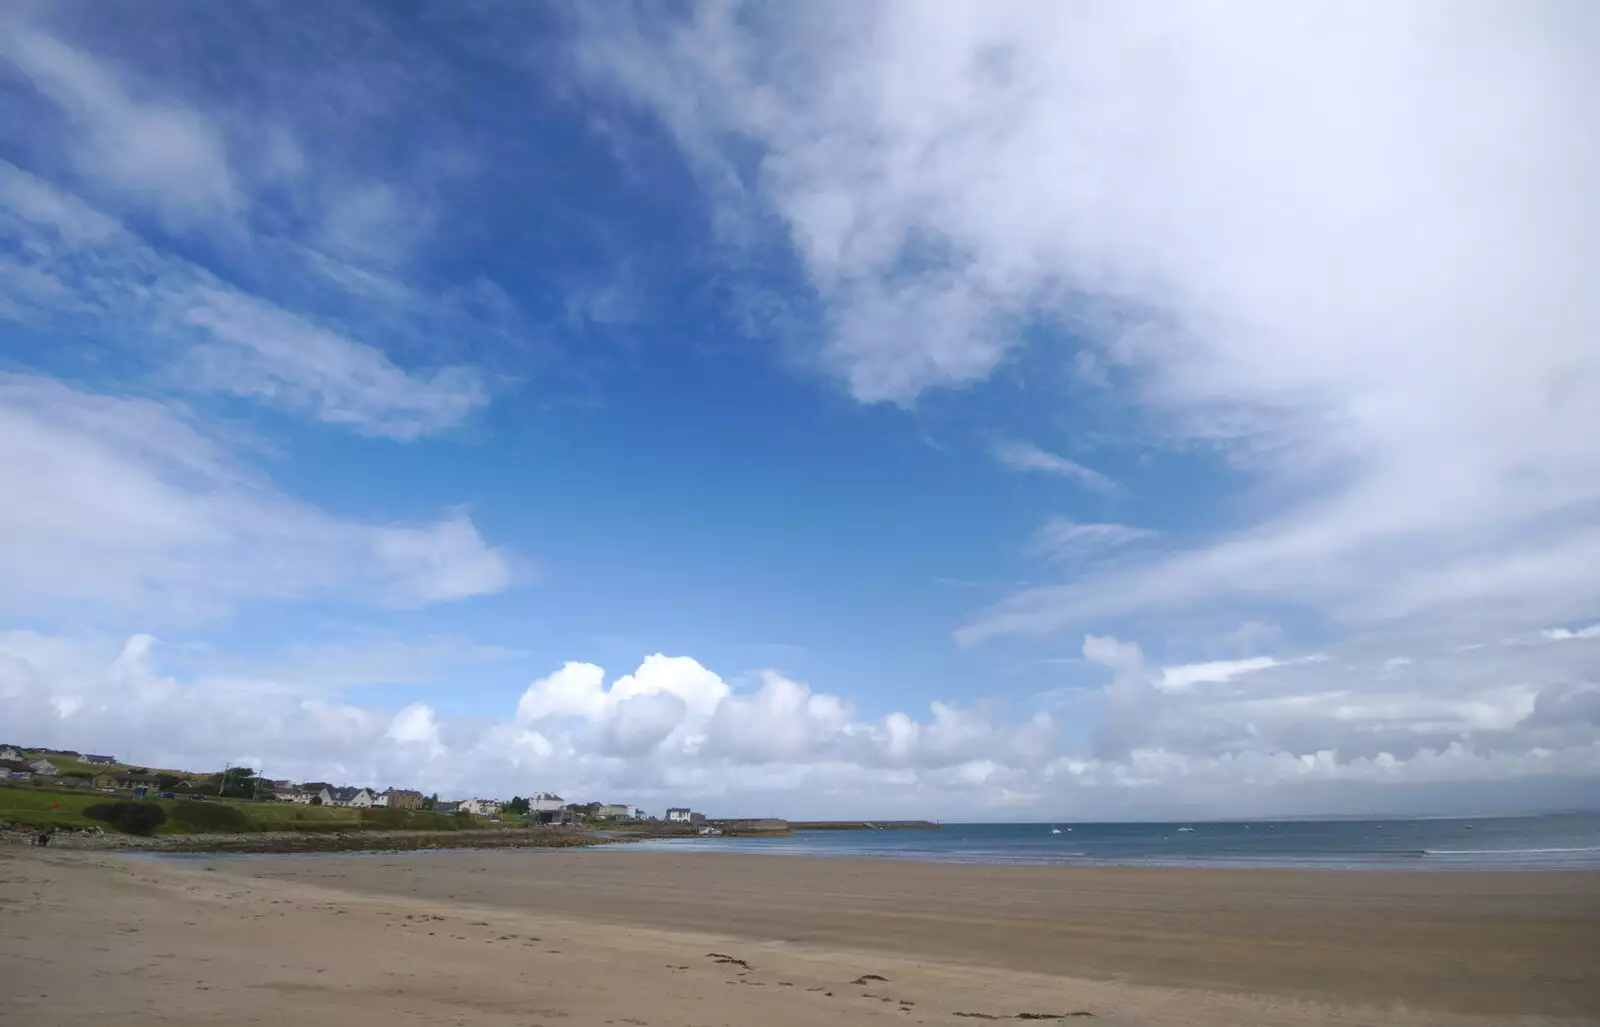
(71, 771)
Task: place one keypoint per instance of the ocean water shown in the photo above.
(1564, 841)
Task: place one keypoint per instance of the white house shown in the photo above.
(481, 807)
(679, 815)
(360, 798)
(41, 766)
(545, 802)
(9, 753)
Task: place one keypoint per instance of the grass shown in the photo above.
(32, 806)
(40, 808)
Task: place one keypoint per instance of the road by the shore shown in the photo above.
(592, 936)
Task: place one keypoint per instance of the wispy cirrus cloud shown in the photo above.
(246, 263)
(152, 154)
(130, 506)
(1061, 538)
(80, 266)
(261, 351)
(1026, 457)
(1324, 279)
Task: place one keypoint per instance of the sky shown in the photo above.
(977, 411)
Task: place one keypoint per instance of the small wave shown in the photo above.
(1505, 852)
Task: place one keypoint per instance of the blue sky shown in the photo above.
(1008, 409)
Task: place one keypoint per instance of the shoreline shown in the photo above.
(1544, 844)
(376, 843)
(267, 843)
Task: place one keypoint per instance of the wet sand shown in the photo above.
(540, 937)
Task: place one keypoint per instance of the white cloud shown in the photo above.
(1294, 735)
(783, 722)
(275, 272)
(1358, 719)
(130, 507)
(1348, 252)
(372, 224)
(258, 350)
(1562, 634)
(1062, 539)
(86, 268)
(155, 154)
(1186, 676)
(200, 163)
(1025, 456)
(579, 690)
(417, 727)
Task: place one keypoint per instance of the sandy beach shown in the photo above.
(627, 937)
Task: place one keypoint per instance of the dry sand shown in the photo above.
(628, 937)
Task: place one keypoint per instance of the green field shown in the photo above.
(74, 768)
(21, 805)
(41, 808)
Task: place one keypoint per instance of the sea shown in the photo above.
(1548, 842)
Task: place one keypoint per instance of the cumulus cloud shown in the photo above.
(783, 722)
(131, 506)
(416, 726)
(578, 690)
(1272, 736)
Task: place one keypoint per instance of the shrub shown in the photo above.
(412, 820)
(129, 817)
(209, 816)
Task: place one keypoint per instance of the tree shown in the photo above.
(316, 800)
(431, 802)
(517, 805)
(239, 783)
